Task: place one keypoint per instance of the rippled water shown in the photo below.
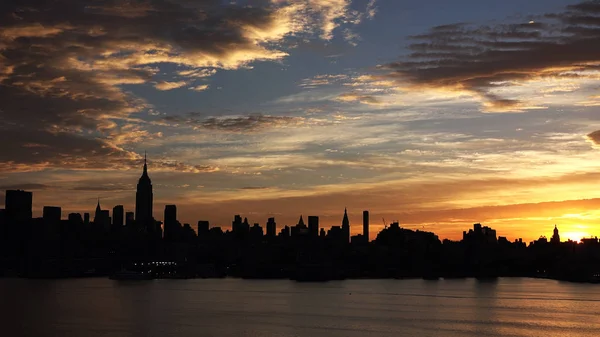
(231, 307)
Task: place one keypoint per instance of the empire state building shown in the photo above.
(143, 199)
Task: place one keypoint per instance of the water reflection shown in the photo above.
(467, 307)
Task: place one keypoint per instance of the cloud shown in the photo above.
(63, 65)
(483, 60)
(164, 85)
(594, 138)
(25, 186)
(322, 80)
(201, 87)
(351, 97)
(250, 123)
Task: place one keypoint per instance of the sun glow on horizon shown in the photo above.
(574, 236)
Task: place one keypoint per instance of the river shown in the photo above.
(265, 308)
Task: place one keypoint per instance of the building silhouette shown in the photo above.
(300, 229)
(118, 216)
(18, 205)
(101, 218)
(203, 228)
(75, 218)
(51, 214)
(98, 213)
(346, 226)
(365, 226)
(144, 200)
(555, 236)
(313, 226)
(271, 228)
(170, 222)
(480, 234)
(129, 218)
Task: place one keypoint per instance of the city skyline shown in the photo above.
(438, 115)
(22, 205)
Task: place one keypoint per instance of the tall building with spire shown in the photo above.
(98, 213)
(346, 226)
(555, 236)
(143, 199)
(101, 218)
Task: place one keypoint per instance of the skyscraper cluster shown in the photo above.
(106, 243)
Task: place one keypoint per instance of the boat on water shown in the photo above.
(131, 275)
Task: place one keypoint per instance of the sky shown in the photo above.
(437, 114)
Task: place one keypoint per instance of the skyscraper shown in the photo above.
(555, 236)
(52, 214)
(98, 213)
(346, 226)
(18, 205)
(101, 218)
(366, 226)
(118, 216)
(129, 218)
(170, 222)
(313, 226)
(203, 228)
(143, 200)
(271, 227)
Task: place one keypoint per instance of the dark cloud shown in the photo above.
(250, 123)
(63, 65)
(594, 137)
(255, 188)
(477, 58)
(26, 186)
(103, 187)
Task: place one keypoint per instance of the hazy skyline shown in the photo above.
(436, 114)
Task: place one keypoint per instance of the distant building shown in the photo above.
(51, 214)
(590, 241)
(555, 236)
(18, 205)
(203, 228)
(256, 231)
(365, 226)
(118, 216)
(313, 226)
(129, 218)
(480, 234)
(75, 218)
(300, 229)
(86, 218)
(337, 234)
(346, 226)
(170, 222)
(101, 218)
(144, 200)
(285, 232)
(357, 239)
(271, 227)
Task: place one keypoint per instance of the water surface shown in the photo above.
(256, 308)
